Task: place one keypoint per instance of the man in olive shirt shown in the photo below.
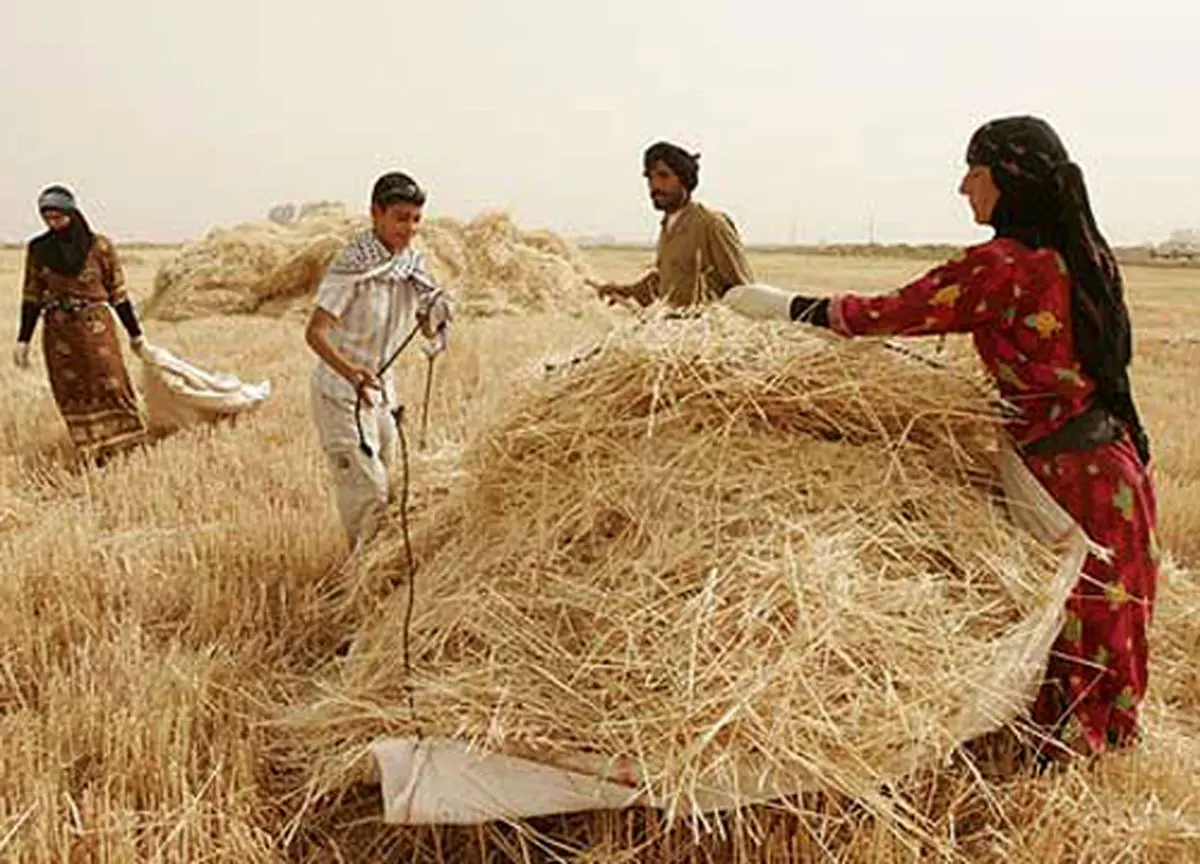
(700, 255)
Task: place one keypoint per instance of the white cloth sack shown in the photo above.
(178, 394)
(439, 781)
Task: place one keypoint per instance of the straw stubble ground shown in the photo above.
(154, 617)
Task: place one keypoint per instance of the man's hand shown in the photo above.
(21, 355)
(137, 344)
(433, 314)
(640, 293)
(609, 292)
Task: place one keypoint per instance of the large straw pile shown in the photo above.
(714, 548)
(493, 267)
(489, 265)
(247, 267)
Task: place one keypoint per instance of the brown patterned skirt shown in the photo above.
(89, 380)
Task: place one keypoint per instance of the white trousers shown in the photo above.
(362, 483)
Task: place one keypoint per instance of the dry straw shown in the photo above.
(721, 550)
(489, 265)
(248, 267)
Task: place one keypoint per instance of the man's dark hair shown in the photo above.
(396, 187)
(684, 165)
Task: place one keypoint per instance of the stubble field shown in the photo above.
(156, 616)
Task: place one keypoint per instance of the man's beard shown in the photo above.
(668, 203)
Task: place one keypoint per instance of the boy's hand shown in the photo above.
(439, 343)
(364, 381)
(433, 314)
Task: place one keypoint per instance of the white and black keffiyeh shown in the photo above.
(365, 257)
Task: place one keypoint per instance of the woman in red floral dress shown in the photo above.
(1044, 304)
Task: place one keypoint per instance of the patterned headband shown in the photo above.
(56, 199)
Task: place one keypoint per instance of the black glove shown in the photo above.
(811, 310)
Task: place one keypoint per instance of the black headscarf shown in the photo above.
(1044, 203)
(66, 251)
(685, 165)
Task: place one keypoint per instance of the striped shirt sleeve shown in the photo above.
(336, 290)
(334, 295)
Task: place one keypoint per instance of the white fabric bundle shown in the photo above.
(179, 394)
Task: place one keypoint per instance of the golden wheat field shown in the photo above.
(158, 617)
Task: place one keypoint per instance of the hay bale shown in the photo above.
(298, 276)
(510, 270)
(489, 265)
(240, 269)
(716, 549)
(443, 243)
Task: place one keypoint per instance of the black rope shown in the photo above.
(410, 559)
(412, 575)
(362, 439)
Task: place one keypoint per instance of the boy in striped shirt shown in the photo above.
(367, 299)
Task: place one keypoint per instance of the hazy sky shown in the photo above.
(170, 117)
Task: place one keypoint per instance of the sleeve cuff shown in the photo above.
(837, 317)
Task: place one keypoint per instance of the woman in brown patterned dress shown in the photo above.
(72, 278)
